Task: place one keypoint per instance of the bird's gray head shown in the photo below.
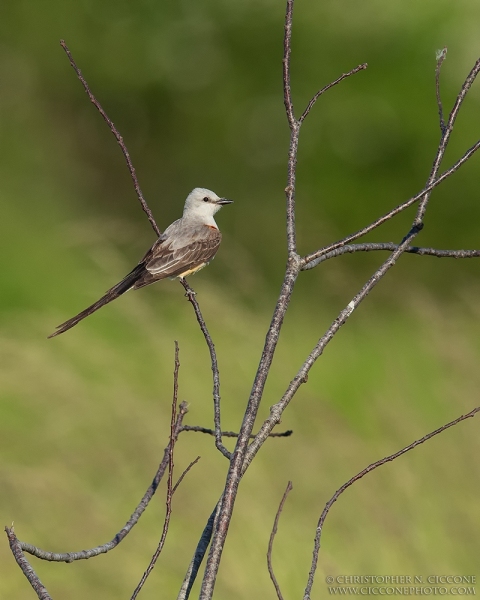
(203, 204)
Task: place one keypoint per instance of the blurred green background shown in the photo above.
(195, 88)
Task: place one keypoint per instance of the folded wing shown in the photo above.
(171, 259)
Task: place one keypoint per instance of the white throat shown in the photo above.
(201, 214)
(210, 221)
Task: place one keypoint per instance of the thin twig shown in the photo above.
(358, 476)
(168, 513)
(441, 55)
(287, 50)
(311, 104)
(69, 557)
(182, 476)
(392, 213)
(272, 538)
(294, 131)
(232, 434)
(27, 570)
(118, 137)
(191, 296)
(445, 138)
(351, 248)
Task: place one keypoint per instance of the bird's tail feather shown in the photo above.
(112, 294)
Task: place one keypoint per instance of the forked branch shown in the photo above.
(397, 210)
(25, 566)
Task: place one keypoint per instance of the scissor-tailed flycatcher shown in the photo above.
(185, 247)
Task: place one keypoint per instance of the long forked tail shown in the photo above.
(112, 294)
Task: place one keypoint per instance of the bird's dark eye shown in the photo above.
(206, 199)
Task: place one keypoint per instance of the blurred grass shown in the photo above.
(195, 88)
(84, 422)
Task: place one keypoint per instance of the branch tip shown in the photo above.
(272, 538)
(118, 137)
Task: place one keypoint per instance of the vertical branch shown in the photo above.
(441, 55)
(294, 131)
(170, 488)
(272, 538)
(287, 50)
(235, 470)
(293, 268)
(294, 265)
(25, 566)
(190, 294)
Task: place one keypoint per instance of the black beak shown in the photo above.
(223, 201)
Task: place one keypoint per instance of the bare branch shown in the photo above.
(401, 207)
(16, 548)
(84, 554)
(287, 50)
(294, 131)
(350, 249)
(201, 550)
(302, 375)
(232, 434)
(330, 85)
(244, 454)
(441, 55)
(182, 476)
(236, 464)
(272, 538)
(445, 138)
(191, 296)
(170, 489)
(118, 137)
(358, 476)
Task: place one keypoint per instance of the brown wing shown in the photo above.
(166, 260)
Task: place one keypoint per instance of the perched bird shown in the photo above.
(185, 247)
